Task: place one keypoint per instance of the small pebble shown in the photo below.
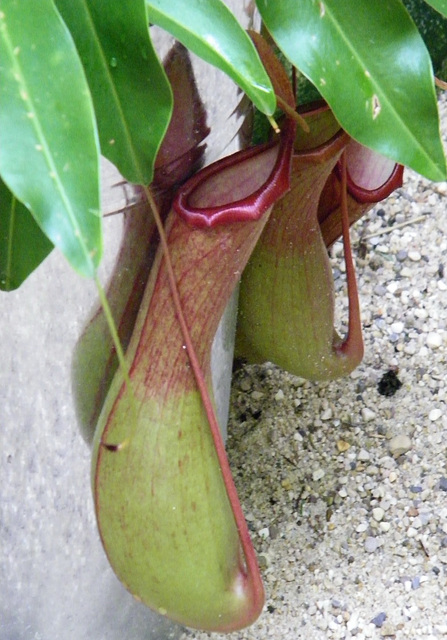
(434, 414)
(399, 445)
(318, 474)
(397, 327)
(368, 414)
(342, 446)
(415, 583)
(379, 619)
(353, 621)
(393, 287)
(363, 455)
(414, 256)
(379, 290)
(443, 483)
(388, 630)
(279, 395)
(336, 603)
(434, 340)
(372, 470)
(417, 523)
(371, 544)
(245, 384)
(378, 514)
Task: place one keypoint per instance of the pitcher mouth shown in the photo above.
(265, 188)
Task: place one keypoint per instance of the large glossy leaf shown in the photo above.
(211, 31)
(23, 246)
(130, 91)
(49, 154)
(370, 63)
(439, 5)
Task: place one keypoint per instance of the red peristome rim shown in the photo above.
(371, 196)
(253, 206)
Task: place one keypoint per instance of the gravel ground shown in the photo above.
(344, 488)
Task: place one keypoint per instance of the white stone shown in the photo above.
(378, 514)
(434, 340)
(434, 414)
(399, 444)
(371, 544)
(353, 621)
(393, 286)
(318, 474)
(368, 414)
(397, 327)
(279, 395)
(417, 523)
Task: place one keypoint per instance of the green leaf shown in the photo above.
(370, 63)
(49, 156)
(439, 5)
(212, 32)
(23, 246)
(131, 94)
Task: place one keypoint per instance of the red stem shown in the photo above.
(354, 340)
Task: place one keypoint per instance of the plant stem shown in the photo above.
(353, 344)
(291, 113)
